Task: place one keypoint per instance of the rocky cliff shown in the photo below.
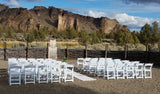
(38, 17)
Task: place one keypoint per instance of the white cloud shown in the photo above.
(96, 14)
(13, 3)
(132, 22)
(16, 2)
(141, 1)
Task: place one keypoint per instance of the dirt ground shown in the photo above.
(100, 86)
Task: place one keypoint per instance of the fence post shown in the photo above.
(47, 53)
(147, 49)
(86, 51)
(106, 50)
(5, 47)
(27, 53)
(67, 52)
(126, 51)
(148, 53)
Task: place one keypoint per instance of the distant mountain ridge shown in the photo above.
(39, 16)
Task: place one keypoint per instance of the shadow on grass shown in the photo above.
(55, 88)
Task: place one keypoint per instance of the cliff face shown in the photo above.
(38, 17)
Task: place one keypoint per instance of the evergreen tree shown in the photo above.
(111, 35)
(84, 38)
(54, 33)
(155, 33)
(71, 33)
(101, 34)
(42, 35)
(145, 34)
(94, 38)
(9, 33)
(135, 38)
(30, 37)
(123, 37)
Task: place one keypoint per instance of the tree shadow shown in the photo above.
(54, 88)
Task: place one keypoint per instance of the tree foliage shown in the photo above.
(123, 37)
(84, 38)
(135, 38)
(100, 34)
(145, 34)
(155, 37)
(30, 37)
(94, 38)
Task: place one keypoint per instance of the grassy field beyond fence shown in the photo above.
(75, 45)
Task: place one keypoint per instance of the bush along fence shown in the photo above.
(37, 52)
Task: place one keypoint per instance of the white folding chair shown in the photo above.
(15, 75)
(120, 74)
(139, 70)
(92, 66)
(148, 70)
(100, 67)
(110, 69)
(85, 64)
(68, 72)
(23, 62)
(12, 62)
(42, 74)
(79, 63)
(29, 74)
(55, 72)
(130, 70)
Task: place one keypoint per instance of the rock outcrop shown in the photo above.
(38, 17)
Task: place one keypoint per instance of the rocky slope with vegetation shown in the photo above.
(41, 23)
(23, 19)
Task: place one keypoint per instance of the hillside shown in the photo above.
(38, 17)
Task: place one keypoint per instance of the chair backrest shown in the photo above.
(21, 59)
(48, 59)
(80, 61)
(53, 61)
(101, 62)
(135, 63)
(87, 60)
(93, 62)
(15, 69)
(12, 62)
(30, 68)
(55, 66)
(125, 61)
(31, 59)
(148, 66)
(40, 59)
(25, 63)
(43, 68)
(110, 62)
(119, 63)
(139, 66)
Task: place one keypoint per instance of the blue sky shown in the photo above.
(133, 13)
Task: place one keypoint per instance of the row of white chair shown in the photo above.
(115, 68)
(40, 70)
